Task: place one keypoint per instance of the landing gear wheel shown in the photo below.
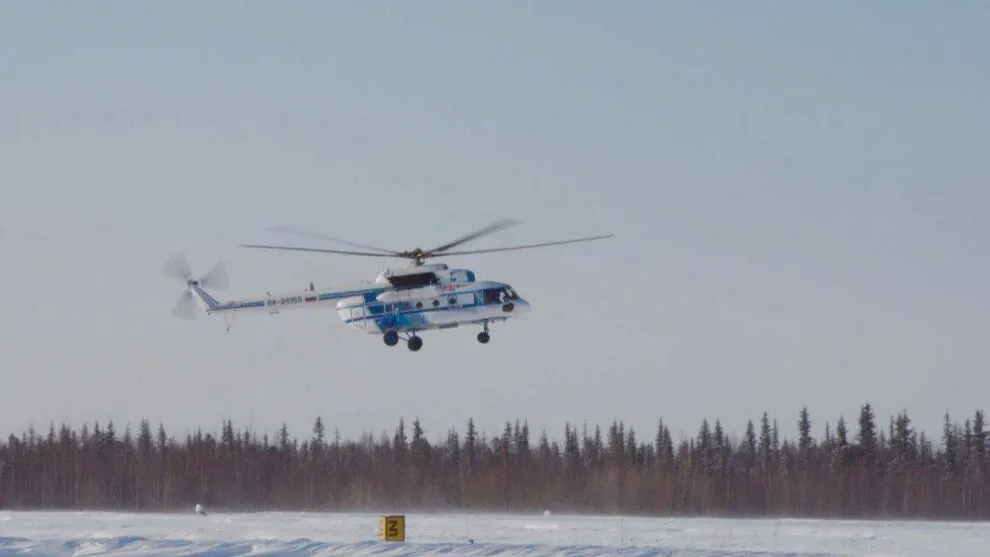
(483, 337)
(414, 343)
(391, 338)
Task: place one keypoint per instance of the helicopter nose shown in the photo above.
(517, 307)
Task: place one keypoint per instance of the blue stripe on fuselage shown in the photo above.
(377, 313)
(373, 308)
(369, 294)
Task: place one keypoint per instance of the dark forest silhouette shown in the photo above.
(879, 470)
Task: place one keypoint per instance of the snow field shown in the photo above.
(82, 534)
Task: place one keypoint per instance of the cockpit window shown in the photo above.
(499, 295)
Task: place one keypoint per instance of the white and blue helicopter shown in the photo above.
(401, 302)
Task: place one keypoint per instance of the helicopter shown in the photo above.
(399, 304)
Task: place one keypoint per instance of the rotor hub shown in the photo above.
(417, 256)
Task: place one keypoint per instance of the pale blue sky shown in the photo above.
(799, 195)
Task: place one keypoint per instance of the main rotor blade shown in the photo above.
(319, 250)
(528, 246)
(310, 234)
(493, 227)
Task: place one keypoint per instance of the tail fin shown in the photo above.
(185, 308)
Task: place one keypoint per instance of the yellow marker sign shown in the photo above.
(392, 528)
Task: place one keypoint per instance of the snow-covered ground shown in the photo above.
(304, 534)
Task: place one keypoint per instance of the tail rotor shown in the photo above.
(178, 267)
(216, 278)
(185, 307)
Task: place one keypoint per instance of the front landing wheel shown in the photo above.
(483, 337)
(391, 338)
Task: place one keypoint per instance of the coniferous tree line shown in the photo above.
(866, 469)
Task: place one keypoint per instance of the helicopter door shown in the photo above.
(357, 314)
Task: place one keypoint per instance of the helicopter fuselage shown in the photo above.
(405, 300)
(430, 299)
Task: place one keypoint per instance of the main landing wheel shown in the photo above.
(414, 343)
(483, 337)
(391, 338)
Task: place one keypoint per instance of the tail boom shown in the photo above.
(196, 297)
(204, 296)
(300, 299)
